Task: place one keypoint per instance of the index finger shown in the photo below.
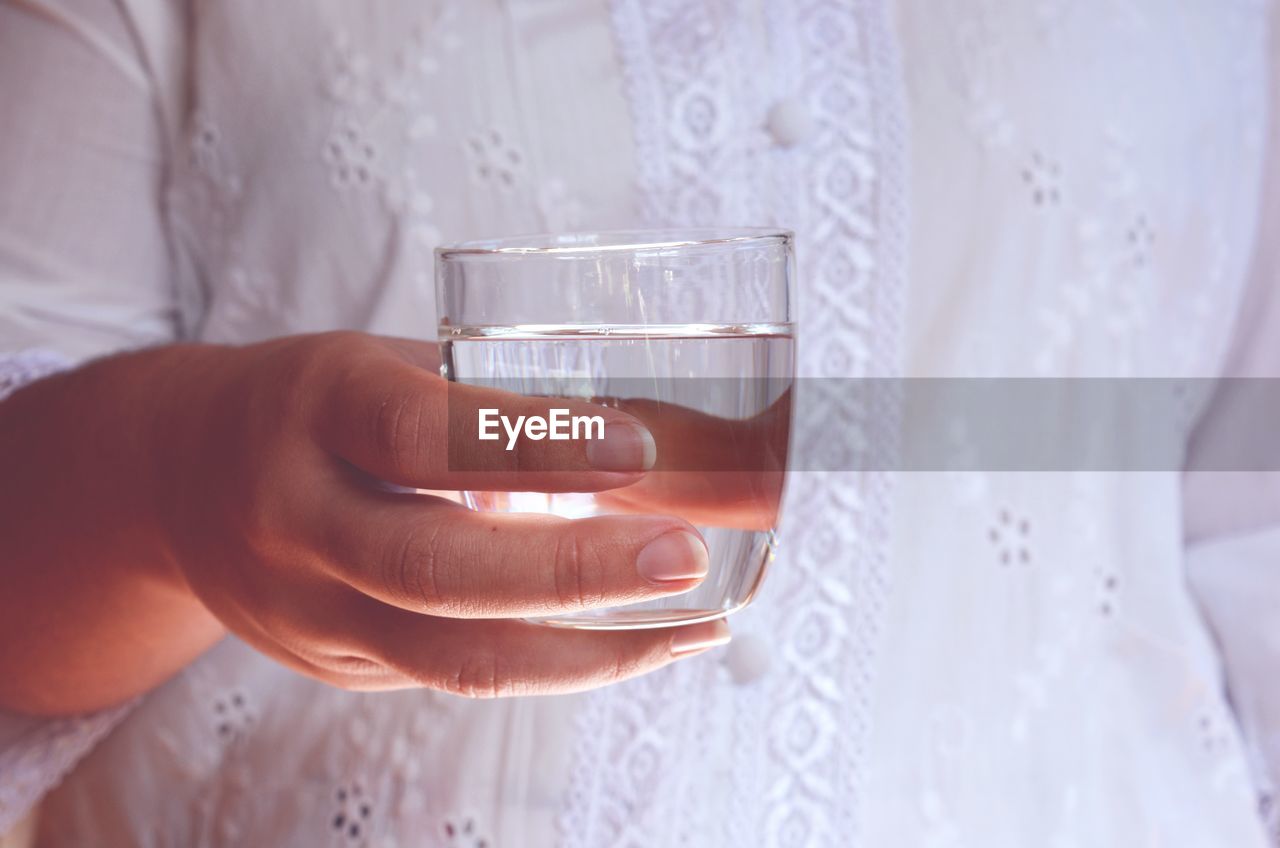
(403, 424)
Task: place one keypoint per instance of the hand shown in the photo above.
(265, 480)
(713, 471)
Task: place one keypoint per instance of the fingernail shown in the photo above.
(673, 556)
(625, 447)
(700, 637)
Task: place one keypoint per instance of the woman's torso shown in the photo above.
(1083, 180)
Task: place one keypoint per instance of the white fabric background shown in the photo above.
(1086, 201)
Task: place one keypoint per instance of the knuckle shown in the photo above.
(356, 673)
(353, 665)
(398, 430)
(330, 373)
(625, 664)
(576, 573)
(478, 676)
(619, 669)
(303, 364)
(415, 569)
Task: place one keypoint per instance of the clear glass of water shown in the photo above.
(690, 331)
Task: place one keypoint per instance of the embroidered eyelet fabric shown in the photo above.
(784, 755)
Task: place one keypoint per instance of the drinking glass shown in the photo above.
(690, 331)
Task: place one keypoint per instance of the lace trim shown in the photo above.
(780, 761)
(38, 760)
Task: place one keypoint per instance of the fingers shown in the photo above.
(713, 471)
(431, 556)
(507, 658)
(401, 423)
(691, 440)
(351, 640)
(741, 500)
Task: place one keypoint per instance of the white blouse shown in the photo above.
(938, 659)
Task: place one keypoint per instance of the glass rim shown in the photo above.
(629, 240)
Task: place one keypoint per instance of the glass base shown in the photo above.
(621, 619)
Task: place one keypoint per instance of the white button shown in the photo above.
(747, 658)
(789, 122)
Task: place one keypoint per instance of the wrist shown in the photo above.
(169, 409)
